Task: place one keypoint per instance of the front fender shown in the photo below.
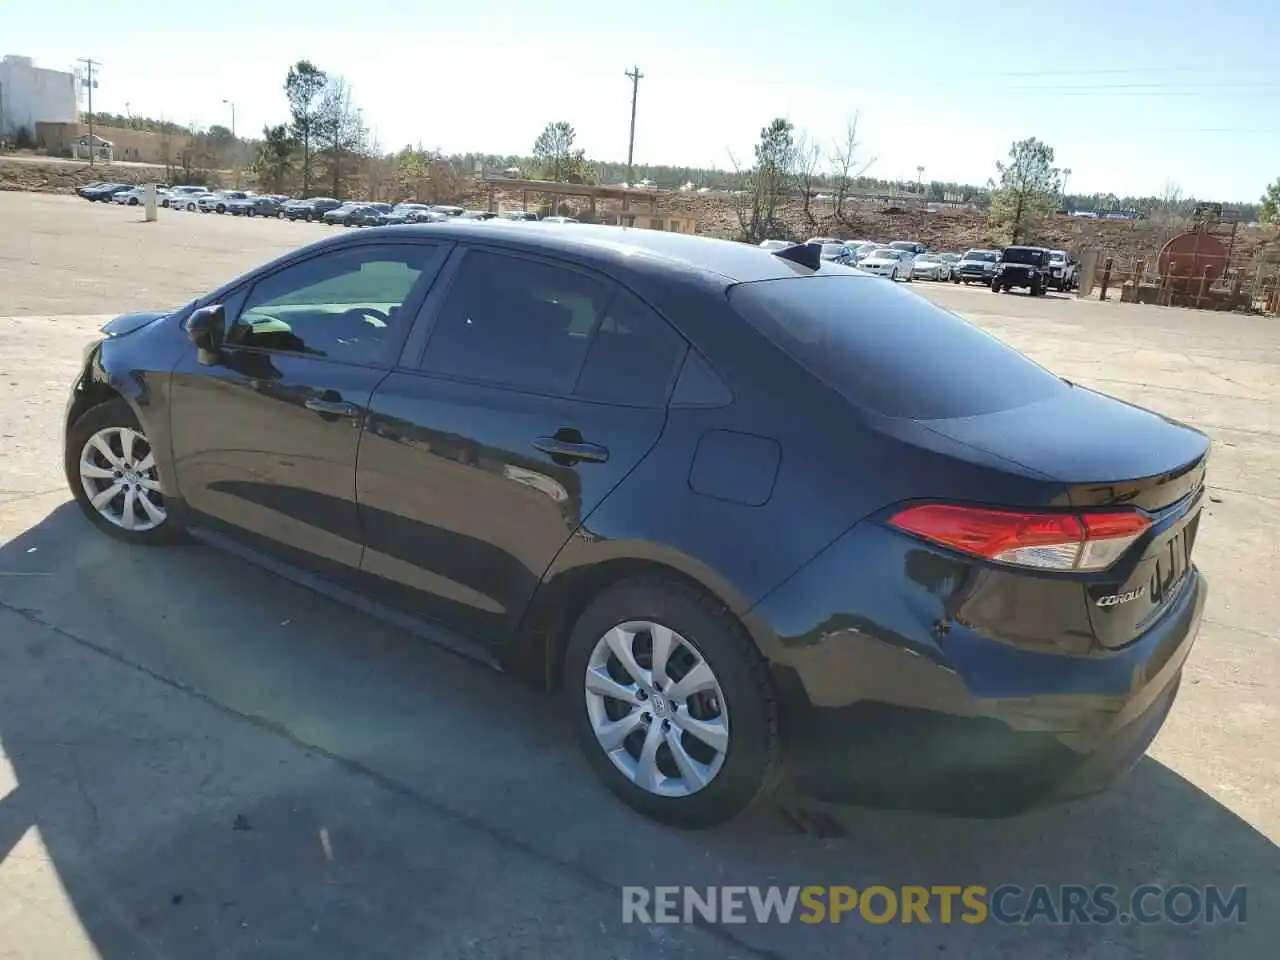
(134, 362)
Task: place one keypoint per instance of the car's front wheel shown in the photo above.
(112, 470)
(671, 703)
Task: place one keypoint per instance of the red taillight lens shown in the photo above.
(1047, 541)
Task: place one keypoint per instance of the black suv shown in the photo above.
(1022, 267)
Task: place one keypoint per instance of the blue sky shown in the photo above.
(1131, 94)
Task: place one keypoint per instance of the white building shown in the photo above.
(30, 95)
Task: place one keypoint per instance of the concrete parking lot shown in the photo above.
(198, 759)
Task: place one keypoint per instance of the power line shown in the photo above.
(1170, 87)
(1211, 69)
(90, 63)
(635, 76)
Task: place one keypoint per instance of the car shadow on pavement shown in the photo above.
(218, 762)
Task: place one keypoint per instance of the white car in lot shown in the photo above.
(131, 198)
(888, 262)
(930, 266)
(185, 197)
(216, 202)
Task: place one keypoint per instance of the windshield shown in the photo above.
(986, 256)
(891, 351)
(832, 249)
(928, 258)
(883, 253)
(1028, 255)
(903, 245)
(1057, 256)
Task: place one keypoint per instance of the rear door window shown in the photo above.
(890, 351)
(517, 323)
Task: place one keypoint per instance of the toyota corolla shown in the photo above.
(749, 511)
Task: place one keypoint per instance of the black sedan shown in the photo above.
(353, 215)
(103, 192)
(750, 511)
(313, 208)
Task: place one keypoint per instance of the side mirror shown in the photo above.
(206, 328)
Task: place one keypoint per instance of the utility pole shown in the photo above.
(635, 76)
(1066, 175)
(90, 63)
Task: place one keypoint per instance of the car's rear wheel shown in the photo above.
(1036, 288)
(653, 673)
(113, 474)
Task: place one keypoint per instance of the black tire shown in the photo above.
(995, 286)
(133, 201)
(752, 761)
(1037, 289)
(113, 413)
(220, 208)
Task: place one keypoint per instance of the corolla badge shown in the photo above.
(1115, 599)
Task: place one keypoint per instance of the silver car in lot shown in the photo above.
(185, 197)
(930, 266)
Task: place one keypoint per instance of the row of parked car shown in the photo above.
(326, 210)
(1036, 268)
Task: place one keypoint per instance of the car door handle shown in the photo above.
(572, 451)
(333, 408)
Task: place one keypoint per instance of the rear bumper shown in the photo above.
(961, 724)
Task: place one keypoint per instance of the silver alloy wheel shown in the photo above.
(118, 473)
(656, 708)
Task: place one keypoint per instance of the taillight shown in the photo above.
(1046, 541)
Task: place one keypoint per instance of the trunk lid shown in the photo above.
(1108, 453)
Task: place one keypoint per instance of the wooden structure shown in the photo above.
(630, 206)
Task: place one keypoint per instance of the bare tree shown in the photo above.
(847, 166)
(341, 132)
(807, 161)
(1170, 214)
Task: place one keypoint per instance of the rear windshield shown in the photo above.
(891, 351)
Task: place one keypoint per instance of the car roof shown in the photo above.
(609, 245)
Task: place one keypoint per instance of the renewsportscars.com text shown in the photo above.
(939, 903)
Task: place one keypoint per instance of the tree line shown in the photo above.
(325, 145)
